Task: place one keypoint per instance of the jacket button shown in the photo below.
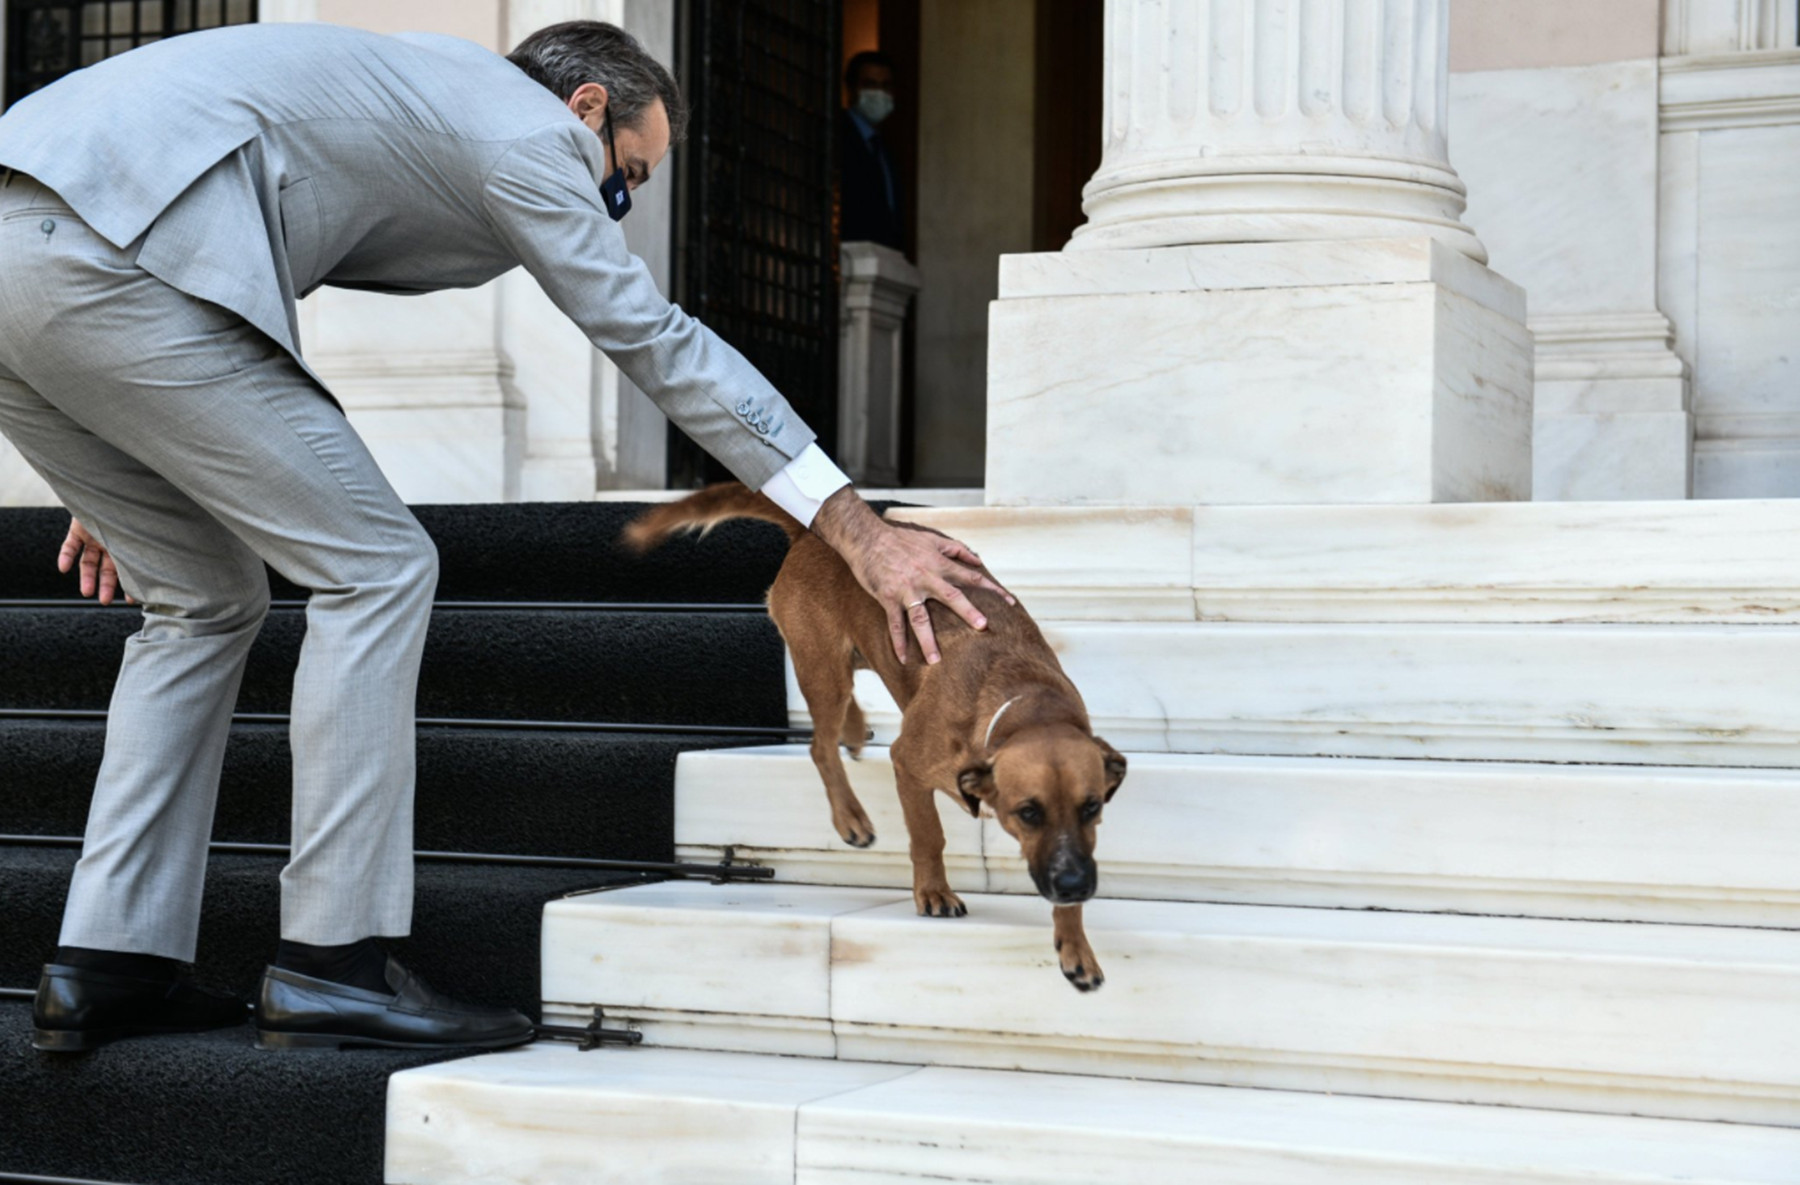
(49, 227)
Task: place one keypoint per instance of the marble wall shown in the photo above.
(1561, 164)
(1730, 282)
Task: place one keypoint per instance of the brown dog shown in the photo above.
(995, 724)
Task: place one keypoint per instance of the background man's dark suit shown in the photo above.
(870, 190)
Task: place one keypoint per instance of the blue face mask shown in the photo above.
(614, 191)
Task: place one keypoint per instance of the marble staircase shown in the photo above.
(1678, 844)
(1457, 846)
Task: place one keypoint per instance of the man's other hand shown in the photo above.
(903, 568)
(98, 575)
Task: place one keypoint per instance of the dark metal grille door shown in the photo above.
(47, 39)
(755, 248)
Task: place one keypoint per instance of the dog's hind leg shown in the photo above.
(856, 729)
(826, 680)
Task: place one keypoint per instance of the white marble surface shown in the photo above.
(1676, 1021)
(550, 1115)
(950, 1125)
(1632, 694)
(1611, 456)
(1075, 563)
(1747, 371)
(1374, 392)
(1696, 846)
(1495, 562)
(619, 948)
(1561, 168)
(1562, 165)
(1214, 267)
(769, 802)
(1731, 128)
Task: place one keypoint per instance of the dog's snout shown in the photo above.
(1069, 878)
(1073, 883)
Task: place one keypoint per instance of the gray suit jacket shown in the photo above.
(248, 166)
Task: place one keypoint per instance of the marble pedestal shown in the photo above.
(1355, 371)
(878, 285)
(1611, 419)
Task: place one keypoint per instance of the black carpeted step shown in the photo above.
(691, 668)
(208, 1109)
(534, 551)
(531, 792)
(475, 926)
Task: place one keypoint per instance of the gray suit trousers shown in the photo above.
(195, 449)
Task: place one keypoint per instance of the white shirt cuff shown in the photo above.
(804, 484)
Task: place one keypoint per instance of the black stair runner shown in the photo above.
(561, 680)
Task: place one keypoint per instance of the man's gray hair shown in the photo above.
(565, 57)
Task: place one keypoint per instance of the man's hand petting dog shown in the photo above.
(903, 568)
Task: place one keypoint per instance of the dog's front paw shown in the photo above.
(939, 903)
(853, 826)
(1079, 966)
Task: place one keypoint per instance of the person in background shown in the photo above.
(869, 194)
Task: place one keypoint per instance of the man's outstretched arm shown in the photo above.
(542, 203)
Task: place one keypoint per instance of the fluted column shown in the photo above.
(1232, 121)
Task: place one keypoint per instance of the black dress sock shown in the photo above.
(360, 964)
(113, 962)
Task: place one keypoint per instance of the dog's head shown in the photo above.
(1048, 788)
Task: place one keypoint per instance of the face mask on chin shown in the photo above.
(874, 105)
(614, 191)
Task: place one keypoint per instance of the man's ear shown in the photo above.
(975, 785)
(588, 100)
(1115, 767)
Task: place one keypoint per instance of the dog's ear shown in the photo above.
(1115, 767)
(975, 785)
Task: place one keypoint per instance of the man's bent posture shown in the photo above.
(160, 213)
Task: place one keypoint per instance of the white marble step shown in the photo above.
(1676, 1021)
(1718, 561)
(548, 1115)
(1652, 694)
(1638, 843)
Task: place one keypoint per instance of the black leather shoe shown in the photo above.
(296, 1011)
(79, 1009)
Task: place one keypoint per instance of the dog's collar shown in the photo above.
(988, 741)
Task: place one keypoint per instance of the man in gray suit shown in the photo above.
(160, 214)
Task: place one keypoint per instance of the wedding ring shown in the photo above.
(914, 604)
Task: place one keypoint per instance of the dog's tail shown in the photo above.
(702, 511)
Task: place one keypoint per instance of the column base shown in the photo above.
(1611, 406)
(1354, 371)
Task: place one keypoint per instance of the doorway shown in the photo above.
(995, 129)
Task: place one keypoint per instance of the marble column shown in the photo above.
(878, 285)
(1275, 298)
(1232, 121)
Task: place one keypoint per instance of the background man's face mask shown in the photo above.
(874, 105)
